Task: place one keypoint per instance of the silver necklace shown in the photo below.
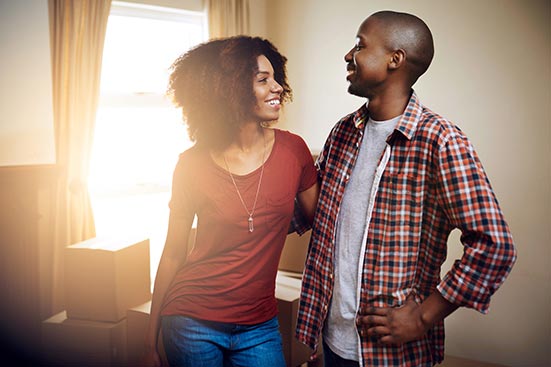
(251, 212)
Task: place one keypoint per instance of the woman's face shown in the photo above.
(267, 92)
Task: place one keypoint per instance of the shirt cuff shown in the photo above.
(459, 290)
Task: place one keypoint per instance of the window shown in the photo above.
(139, 133)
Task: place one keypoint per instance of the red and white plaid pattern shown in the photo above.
(432, 183)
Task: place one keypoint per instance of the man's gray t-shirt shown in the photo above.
(340, 332)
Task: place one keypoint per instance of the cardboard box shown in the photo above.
(70, 342)
(137, 319)
(294, 252)
(106, 276)
(287, 294)
(290, 274)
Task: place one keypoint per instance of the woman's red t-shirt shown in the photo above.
(229, 276)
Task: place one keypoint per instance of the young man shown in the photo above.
(396, 179)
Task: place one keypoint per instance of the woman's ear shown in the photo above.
(398, 59)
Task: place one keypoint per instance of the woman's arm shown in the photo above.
(308, 200)
(174, 255)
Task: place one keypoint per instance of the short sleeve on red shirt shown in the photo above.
(181, 202)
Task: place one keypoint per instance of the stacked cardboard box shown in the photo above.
(74, 342)
(104, 277)
(108, 304)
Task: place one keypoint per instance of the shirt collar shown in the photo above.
(360, 117)
(411, 117)
(407, 123)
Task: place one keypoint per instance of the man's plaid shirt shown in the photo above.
(432, 183)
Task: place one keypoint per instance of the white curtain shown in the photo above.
(77, 31)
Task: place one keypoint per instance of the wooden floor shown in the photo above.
(450, 361)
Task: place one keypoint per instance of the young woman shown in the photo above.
(215, 302)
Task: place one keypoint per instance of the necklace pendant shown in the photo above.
(251, 226)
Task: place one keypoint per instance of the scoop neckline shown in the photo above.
(256, 170)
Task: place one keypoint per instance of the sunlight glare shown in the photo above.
(139, 134)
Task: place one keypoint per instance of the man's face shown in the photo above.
(367, 62)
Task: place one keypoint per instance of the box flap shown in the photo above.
(144, 308)
(108, 243)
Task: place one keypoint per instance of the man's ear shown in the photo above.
(398, 59)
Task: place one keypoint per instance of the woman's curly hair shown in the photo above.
(213, 84)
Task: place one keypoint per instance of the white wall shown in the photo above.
(26, 110)
(492, 76)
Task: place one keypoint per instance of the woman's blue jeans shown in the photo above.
(192, 342)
